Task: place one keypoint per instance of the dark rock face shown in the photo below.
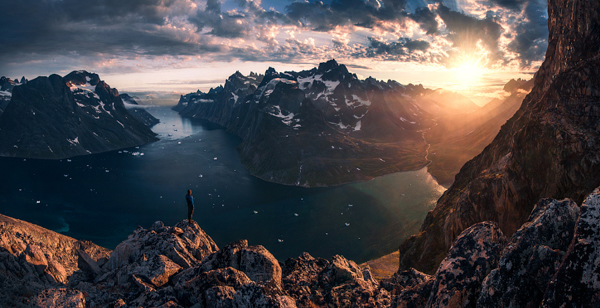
(549, 148)
(530, 259)
(137, 112)
(6, 87)
(470, 259)
(318, 127)
(576, 283)
(56, 117)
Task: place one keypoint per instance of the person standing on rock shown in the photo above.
(190, 203)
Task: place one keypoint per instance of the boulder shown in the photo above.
(192, 284)
(577, 281)
(253, 295)
(531, 257)
(219, 297)
(255, 261)
(157, 270)
(34, 256)
(470, 259)
(61, 297)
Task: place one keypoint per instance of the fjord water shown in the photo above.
(104, 197)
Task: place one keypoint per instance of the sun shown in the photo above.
(469, 72)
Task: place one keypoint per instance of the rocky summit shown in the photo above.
(548, 149)
(550, 261)
(57, 117)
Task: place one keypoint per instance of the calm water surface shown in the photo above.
(104, 197)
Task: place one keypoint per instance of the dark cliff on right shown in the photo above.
(549, 149)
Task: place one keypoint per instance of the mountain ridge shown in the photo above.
(58, 117)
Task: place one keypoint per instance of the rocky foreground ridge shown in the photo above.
(549, 148)
(551, 261)
(57, 117)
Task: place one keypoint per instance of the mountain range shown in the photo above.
(324, 126)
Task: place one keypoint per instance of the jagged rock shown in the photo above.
(186, 250)
(255, 261)
(531, 257)
(191, 284)
(407, 279)
(253, 295)
(470, 259)
(415, 296)
(86, 263)
(219, 297)
(64, 298)
(157, 270)
(318, 282)
(344, 270)
(577, 281)
(260, 265)
(34, 256)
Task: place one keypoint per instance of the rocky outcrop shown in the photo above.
(470, 259)
(548, 149)
(33, 259)
(531, 257)
(577, 281)
(57, 117)
(550, 261)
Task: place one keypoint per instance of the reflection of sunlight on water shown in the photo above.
(172, 126)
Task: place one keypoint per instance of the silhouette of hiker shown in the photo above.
(190, 203)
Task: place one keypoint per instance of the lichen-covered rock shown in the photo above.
(157, 270)
(470, 259)
(219, 297)
(414, 296)
(260, 265)
(61, 297)
(186, 250)
(532, 256)
(192, 284)
(577, 281)
(255, 261)
(253, 295)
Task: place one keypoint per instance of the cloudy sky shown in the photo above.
(470, 46)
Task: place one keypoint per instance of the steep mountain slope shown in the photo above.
(56, 117)
(457, 138)
(137, 111)
(549, 148)
(6, 87)
(318, 127)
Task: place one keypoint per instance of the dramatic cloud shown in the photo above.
(506, 32)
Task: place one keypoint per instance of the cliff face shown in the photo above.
(57, 117)
(549, 148)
